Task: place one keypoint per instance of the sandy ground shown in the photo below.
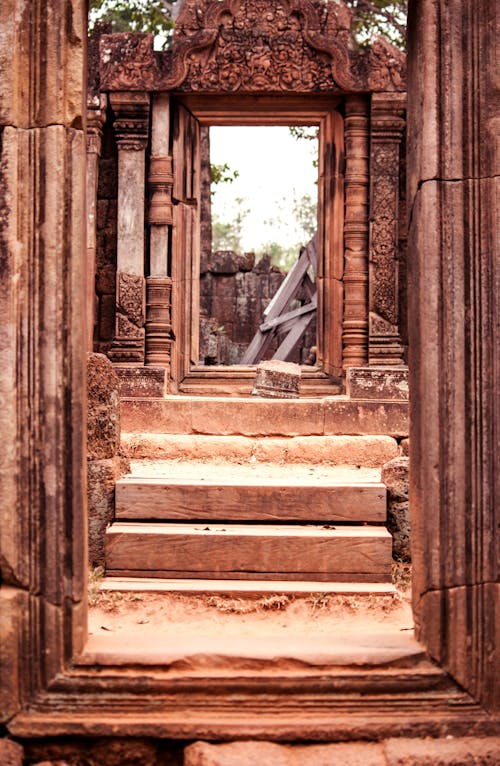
(323, 628)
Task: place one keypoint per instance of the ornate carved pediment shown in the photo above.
(254, 46)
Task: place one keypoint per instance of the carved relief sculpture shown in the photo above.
(244, 46)
(131, 130)
(387, 126)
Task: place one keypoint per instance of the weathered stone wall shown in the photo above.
(461, 751)
(105, 463)
(234, 291)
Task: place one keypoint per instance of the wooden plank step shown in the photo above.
(250, 499)
(244, 587)
(249, 551)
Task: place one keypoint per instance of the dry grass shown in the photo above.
(317, 603)
(401, 577)
(228, 605)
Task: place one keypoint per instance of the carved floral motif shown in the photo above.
(387, 131)
(222, 46)
(130, 297)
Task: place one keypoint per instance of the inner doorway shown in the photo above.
(258, 215)
(192, 116)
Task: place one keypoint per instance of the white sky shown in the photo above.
(272, 165)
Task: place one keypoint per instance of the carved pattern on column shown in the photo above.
(158, 320)
(355, 320)
(129, 319)
(159, 289)
(160, 182)
(131, 123)
(387, 126)
(131, 128)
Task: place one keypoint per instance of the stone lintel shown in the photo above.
(384, 383)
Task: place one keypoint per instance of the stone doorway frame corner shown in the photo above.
(49, 686)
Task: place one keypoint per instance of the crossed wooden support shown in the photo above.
(278, 319)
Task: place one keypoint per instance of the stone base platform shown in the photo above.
(463, 751)
(382, 383)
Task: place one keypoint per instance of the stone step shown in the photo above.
(244, 588)
(249, 551)
(219, 491)
(243, 387)
(254, 416)
(365, 451)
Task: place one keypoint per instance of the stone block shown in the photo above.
(385, 383)
(247, 261)
(263, 266)
(101, 478)
(277, 380)
(395, 475)
(103, 413)
(271, 754)
(344, 416)
(107, 317)
(460, 751)
(14, 606)
(106, 280)
(101, 751)
(108, 178)
(141, 382)
(224, 262)
(11, 753)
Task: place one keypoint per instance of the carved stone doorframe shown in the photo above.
(241, 110)
(283, 50)
(50, 687)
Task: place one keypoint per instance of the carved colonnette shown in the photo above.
(160, 220)
(132, 131)
(357, 178)
(387, 127)
(96, 116)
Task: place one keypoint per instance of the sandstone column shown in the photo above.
(131, 128)
(453, 277)
(387, 127)
(158, 283)
(96, 115)
(355, 322)
(42, 343)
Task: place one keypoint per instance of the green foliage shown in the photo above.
(222, 174)
(283, 257)
(305, 210)
(380, 17)
(384, 17)
(155, 16)
(226, 235)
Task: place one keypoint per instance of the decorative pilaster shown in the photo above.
(160, 218)
(387, 127)
(355, 320)
(131, 129)
(96, 116)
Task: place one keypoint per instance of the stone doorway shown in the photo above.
(190, 115)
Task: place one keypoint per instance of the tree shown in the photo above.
(222, 174)
(226, 235)
(155, 16)
(380, 17)
(383, 17)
